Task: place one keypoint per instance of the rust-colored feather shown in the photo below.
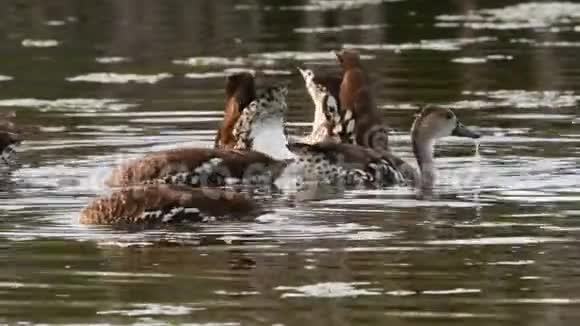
(240, 92)
(156, 166)
(155, 204)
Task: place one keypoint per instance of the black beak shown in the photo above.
(462, 131)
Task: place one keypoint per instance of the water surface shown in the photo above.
(94, 84)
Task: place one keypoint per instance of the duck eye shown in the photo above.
(449, 115)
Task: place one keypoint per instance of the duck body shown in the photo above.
(197, 167)
(149, 205)
(374, 159)
(9, 138)
(159, 188)
(255, 152)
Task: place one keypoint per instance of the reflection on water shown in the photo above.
(95, 84)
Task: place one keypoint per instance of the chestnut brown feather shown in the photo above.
(240, 92)
(156, 204)
(356, 95)
(160, 165)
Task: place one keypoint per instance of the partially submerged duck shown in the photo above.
(259, 152)
(150, 205)
(9, 138)
(237, 161)
(430, 124)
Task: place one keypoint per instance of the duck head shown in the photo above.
(431, 124)
(348, 58)
(240, 92)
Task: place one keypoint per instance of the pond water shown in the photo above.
(96, 83)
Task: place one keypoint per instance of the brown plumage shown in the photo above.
(353, 164)
(9, 135)
(356, 96)
(331, 83)
(160, 165)
(240, 92)
(158, 204)
(7, 139)
(348, 155)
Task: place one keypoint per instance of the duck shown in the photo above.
(228, 161)
(157, 189)
(257, 152)
(357, 102)
(9, 138)
(431, 123)
(153, 205)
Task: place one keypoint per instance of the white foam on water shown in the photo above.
(530, 15)
(479, 60)
(151, 309)
(30, 43)
(328, 290)
(525, 99)
(512, 263)
(301, 56)
(491, 241)
(337, 29)
(430, 45)
(223, 62)
(69, 104)
(111, 60)
(55, 23)
(451, 291)
(116, 78)
(230, 71)
(317, 5)
(443, 315)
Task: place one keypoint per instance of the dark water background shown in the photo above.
(497, 245)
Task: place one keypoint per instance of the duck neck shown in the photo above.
(319, 118)
(269, 137)
(423, 149)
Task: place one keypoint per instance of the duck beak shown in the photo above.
(462, 131)
(302, 72)
(338, 55)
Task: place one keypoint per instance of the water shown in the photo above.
(97, 83)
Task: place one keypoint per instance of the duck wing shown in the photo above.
(197, 167)
(162, 204)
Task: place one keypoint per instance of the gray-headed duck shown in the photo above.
(430, 124)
